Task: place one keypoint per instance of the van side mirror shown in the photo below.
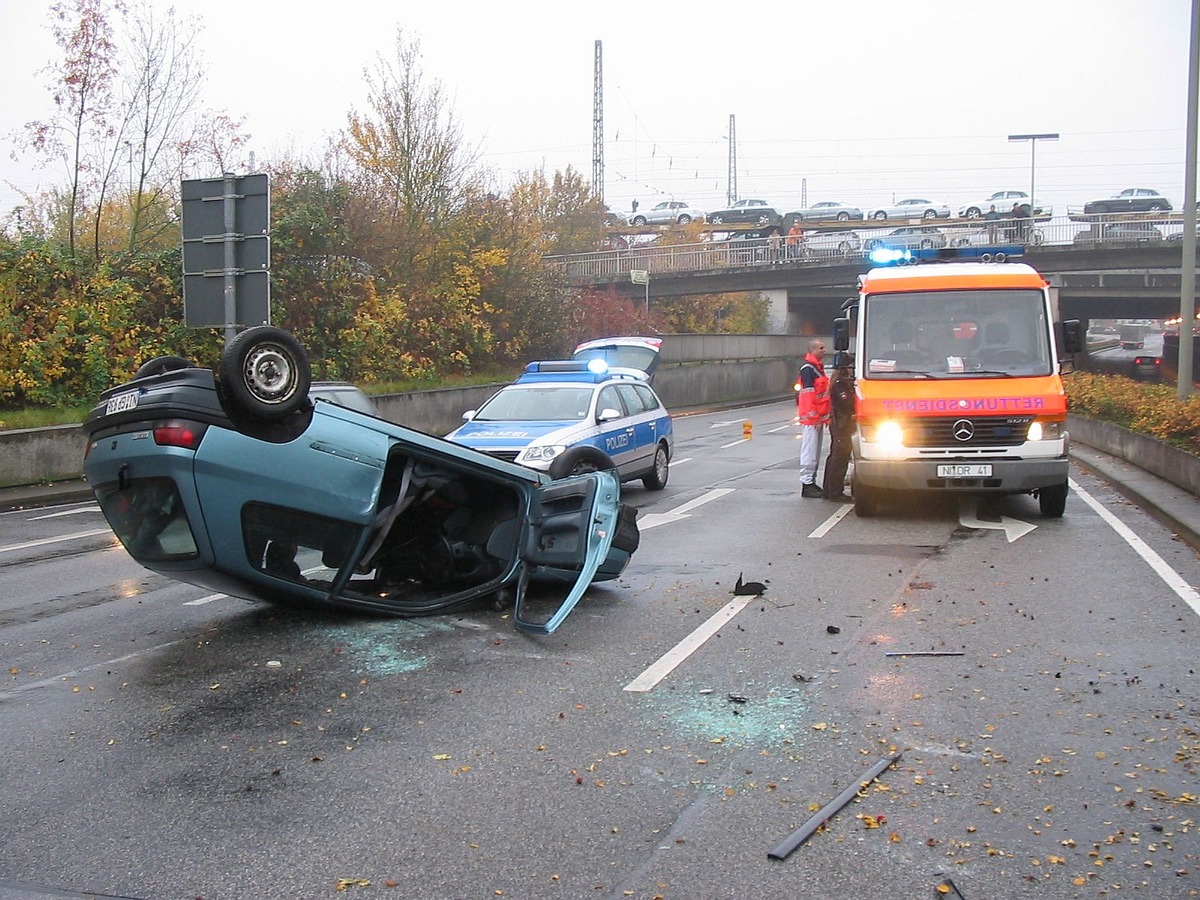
(841, 334)
(1072, 334)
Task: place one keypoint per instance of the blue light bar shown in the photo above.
(889, 256)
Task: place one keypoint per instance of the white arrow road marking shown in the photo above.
(685, 648)
(1172, 578)
(1012, 528)
(653, 520)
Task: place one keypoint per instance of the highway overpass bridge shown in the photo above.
(1095, 280)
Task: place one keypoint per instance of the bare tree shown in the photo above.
(408, 147)
(82, 88)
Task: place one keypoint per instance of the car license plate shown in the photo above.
(121, 402)
(965, 471)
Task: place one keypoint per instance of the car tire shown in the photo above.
(1157, 207)
(844, 248)
(926, 244)
(656, 478)
(843, 217)
(580, 461)
(880, 215)
(160, 364)
(1052, 500)
(638, 221)
(684, 220)
(265, 372)
(972, 212)
(715, 220)
(866, 500)
(931, 214)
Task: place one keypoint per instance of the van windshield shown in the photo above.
(948, 334)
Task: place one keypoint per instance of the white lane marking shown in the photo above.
(1012, 528)
(781, 427)
(58, 679)
(680, 462)
(1172, 578)
(685, 648)
(726, 424)
(653, 520)
(734, 443)
(825, 527)
(75, 536)
(67, 512)
(209, 599)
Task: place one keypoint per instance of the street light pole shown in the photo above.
(1033, 139)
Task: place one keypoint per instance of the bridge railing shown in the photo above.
(826, 245)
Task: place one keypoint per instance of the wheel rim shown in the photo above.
(269, 373)
(583, 467)
(660, 465)
(881, 215)
(929, 214)
(684, 220)
(842, 217)
(844, 247)
(926, 244)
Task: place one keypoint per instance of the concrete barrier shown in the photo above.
(42, 455)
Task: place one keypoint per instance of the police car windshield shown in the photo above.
(542, 403)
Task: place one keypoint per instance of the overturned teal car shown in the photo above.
(237, 481)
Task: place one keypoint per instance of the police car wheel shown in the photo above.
(656, 479)
(580, 461)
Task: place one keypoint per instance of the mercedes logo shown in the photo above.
(964, 430)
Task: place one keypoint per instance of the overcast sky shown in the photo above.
(862, 102)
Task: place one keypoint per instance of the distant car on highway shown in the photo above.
(747, 212)
(668, 212)
(825, 211)
(912, 208)
(1114, 232)
(1129, 200)
(1003, 201)
(907, 238)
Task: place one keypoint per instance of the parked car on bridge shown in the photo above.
(832, 243)
(1003, 201)
(1129, 200)
(912, 208)
(1114, 232)
(747, 212)
(238, 482)
(824, 211)
(909, 237)
(749, 247)
(668, 212)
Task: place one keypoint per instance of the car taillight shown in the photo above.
(179, 434)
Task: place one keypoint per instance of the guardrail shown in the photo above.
(825, 245)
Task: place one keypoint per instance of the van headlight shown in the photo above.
(887, 434)
(542, 455)
(1044, 431)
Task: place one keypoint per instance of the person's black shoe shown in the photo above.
(810, 490)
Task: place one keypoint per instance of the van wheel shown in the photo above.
(580, 461)
(265, 372)
(866, 500)
(1053, 500)
(656, 480)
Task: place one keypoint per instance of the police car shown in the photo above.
(567, 417)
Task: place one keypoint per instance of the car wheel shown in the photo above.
(266, 372)
(844, 248)
(160, 364)
(871, 245)
(580, 461)
(926, 244)
(638, 221)
(1052, 500)
(973, 212)
(716, 220)
(1157, 207)
(843, 217)
(880, 215)
(931, 214)
(656, 480)
(685, 220)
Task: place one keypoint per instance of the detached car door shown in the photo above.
(575, 527)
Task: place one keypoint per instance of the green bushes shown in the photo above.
(1152, 409)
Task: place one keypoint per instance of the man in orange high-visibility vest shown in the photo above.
(812, 399)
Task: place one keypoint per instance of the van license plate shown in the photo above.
(964, 471)
(121, 402)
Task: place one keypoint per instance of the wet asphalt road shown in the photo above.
(160, 742)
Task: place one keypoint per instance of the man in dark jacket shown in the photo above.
(841, 428)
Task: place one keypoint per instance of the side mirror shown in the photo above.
(469, 415)
(841, 334)
(1072, 333)
(608, 414)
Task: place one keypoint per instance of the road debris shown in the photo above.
(924, 653)
(798, 837)
(748, 588)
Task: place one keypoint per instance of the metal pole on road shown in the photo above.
(1187, 273)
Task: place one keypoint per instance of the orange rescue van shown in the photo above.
(958, 381)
